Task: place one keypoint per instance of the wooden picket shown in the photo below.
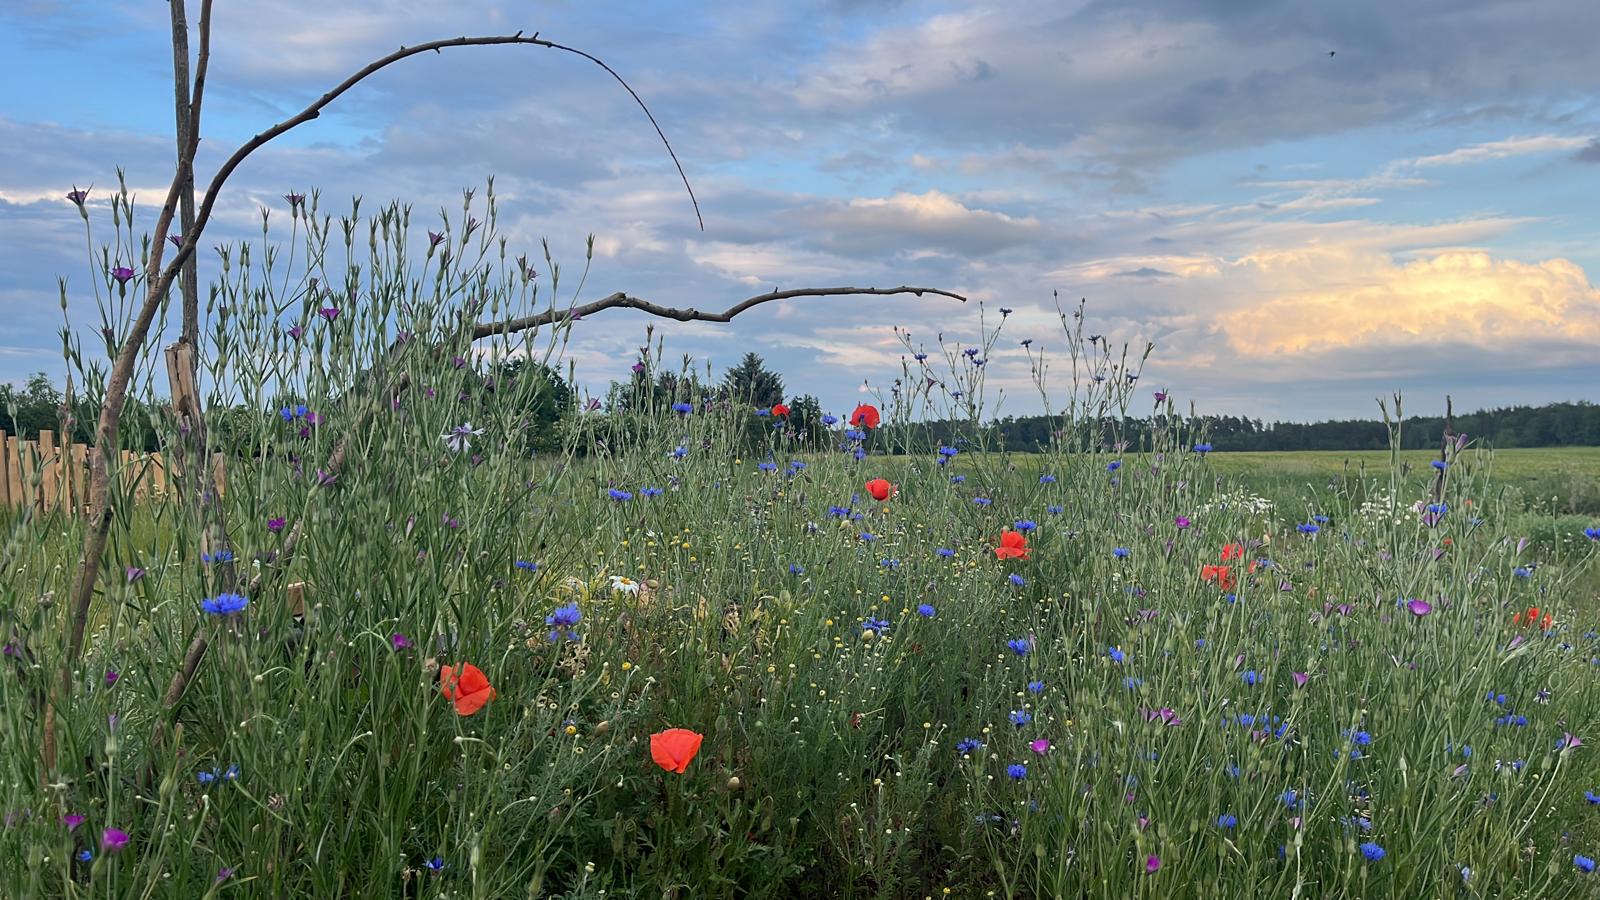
(45, 475)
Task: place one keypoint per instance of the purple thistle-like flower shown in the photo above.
(1182, 521)
(276, 524)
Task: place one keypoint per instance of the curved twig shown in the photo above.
(621, 300)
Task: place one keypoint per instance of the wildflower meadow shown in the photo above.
(428, 644)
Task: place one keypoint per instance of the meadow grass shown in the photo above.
(1183, 688)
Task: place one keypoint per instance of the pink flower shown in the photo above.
(1152, 864)
(1041, 746)
(72, 820)
(1419, 608)
(1300, 679)
(113, 839)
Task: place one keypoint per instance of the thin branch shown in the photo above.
(620, 300)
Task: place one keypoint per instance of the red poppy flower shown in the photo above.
(865, 416)
(1013, 545)
(880, 489)
(674, 748)
(1232, 551)
(779, 409)
(1221, 575)
(468, 687)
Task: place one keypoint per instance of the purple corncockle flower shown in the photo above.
(73, 820)
(176, 239)
(134, 573)
(295, 200)
(459, 438)
(329, 312)
(223, 873)
(326, 479)
(1300, 679)
(79, 195)
(1419, 608)
(122, 274)
(276, 524)
(112, 676)
(1151, 864)
(1161, 396)
(399, 641)
(434, 239)
(1182, 521)
(113, 840)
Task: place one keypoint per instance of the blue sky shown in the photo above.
(1298, 233)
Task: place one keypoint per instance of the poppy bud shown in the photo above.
(734, 783)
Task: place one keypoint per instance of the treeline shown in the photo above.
(1550, 425)
(548, 405)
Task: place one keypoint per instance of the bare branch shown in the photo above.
(620, 300)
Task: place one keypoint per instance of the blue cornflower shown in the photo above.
(1131, 682)
(1440, 464)
(650, 492)
(1114, 465)
(562, 622)
(919, 357)
(1250, 677)
(1020, 646)
(855, 434)
(529, 566)
(1025, 525)
(767, 466)
(1202, 448)
(1035, 687)
(1372, 851)
(1047, 479)
(619, 496)
(958, 479)
(1361, 738)
(300, 410)
(1116, 654)
(221, 556)
(945, 552)
(287, 414)
(867, 536)
(830, 420)
(1320, 520)
(1053, 510)
(948, 452)
(875, 625)
(1021, 717)
(1438, 509)
(968, 745)
(1522, 572)
(838, 511)
(1592, 534)
(1017, 771)
(1290, 798)
(85, 855)
(1120, 552)
(1308, 528)
(1592, 797)
(1227, 820)
(763, 413)
(225, 604)
(679, 452)
(927, 611)
(1584, 863)
(1016, 579)
(437, 864)
(796, 569)
(982, 501)
(683, 409)
(890, 564)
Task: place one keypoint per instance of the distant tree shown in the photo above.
(752, 382)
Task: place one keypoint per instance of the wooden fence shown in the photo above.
(45, 476)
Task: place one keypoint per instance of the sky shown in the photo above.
(1303, 205)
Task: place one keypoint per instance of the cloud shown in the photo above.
(1460, 298)
(1590, 153)
(1145, 272)
(928, 221)
(1492, 150)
